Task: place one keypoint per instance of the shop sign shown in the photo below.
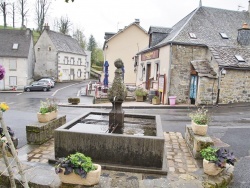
(150, 55)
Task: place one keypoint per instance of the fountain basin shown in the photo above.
(116, 149)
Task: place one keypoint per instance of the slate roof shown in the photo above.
(9, 37)
(206, 23)
(65, 43)
(204, 68)
(225, 56)
(156, 29)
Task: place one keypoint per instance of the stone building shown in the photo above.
(59, 56)
(202, 59)
(17, 56)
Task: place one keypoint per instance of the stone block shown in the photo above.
(196, 143)
(39, 133)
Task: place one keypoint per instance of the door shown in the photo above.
(65, 74)
(148, 75)
(193, 88)
(72, 74)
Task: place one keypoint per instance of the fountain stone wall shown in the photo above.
(131, 150)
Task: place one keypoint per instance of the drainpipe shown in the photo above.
(169, 71)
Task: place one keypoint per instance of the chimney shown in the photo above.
(46, 27)
(244, 35)
(137, 21)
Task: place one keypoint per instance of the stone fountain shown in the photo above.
(116, 140)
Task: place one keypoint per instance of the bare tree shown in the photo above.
(42, 7)
(13, 11)
(22, 8)
(3, 9)
(63, 25)
(80, 37)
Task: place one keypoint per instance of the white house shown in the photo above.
(17, 57)
(59, 56)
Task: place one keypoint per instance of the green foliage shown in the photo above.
(140, 92)
(201, 116)
(77, 163)
(97, 68)
(48, 106)
(209, 154)
(74, 100)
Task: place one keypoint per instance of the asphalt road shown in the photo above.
(229, 123)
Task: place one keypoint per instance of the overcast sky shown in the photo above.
(99, 16)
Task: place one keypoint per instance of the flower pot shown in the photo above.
(155, 101)
(92, 178)
(199, 129)
(172, 100)
(43, 118)
(210, 168)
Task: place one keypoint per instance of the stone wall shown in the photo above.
(39, 133)
(180, 70)
(235, 87)
(207, 90)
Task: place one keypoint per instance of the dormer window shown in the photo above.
(192, 36)
(224, 35)
(15, 46)
(239, 58)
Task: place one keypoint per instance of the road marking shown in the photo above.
(78, 93)
(19, 94)
(61, 89)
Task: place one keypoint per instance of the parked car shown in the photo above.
(50, 78)
(37, 86)
(48, 81)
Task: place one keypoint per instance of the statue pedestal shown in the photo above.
(116, 118)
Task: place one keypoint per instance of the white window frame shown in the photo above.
(155, 70)
(13, 80)
(12, 64)
(66, 60)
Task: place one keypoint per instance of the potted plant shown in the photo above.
(48, 110)
(78, 169)
(74, 101)
(140, 94)
(155, 100)
(200, 120)
(215, 160)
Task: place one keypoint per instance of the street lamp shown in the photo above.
(222, 72)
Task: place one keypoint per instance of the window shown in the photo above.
(156, 71)
(15, 46)
(224, 35)
(66, 60)
(38, 49)
(13, 81)
(12, 64)
(79, 62)
(192, 35)
(239, 58)
(72, 60)
(79, 73)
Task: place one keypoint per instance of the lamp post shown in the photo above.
(222, 72)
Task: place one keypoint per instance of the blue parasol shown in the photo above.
(106, 74)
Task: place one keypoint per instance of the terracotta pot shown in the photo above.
(92, 178)
(210, 168)
(43, 118)
(199, 129)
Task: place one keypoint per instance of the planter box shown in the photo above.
(139, 99)
(92, 178)
(43, 118)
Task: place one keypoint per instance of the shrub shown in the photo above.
(74, 100)
(140, 92)
(48, 106)
(201, 116)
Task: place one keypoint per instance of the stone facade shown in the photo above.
(181, 68)
(235, 87)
